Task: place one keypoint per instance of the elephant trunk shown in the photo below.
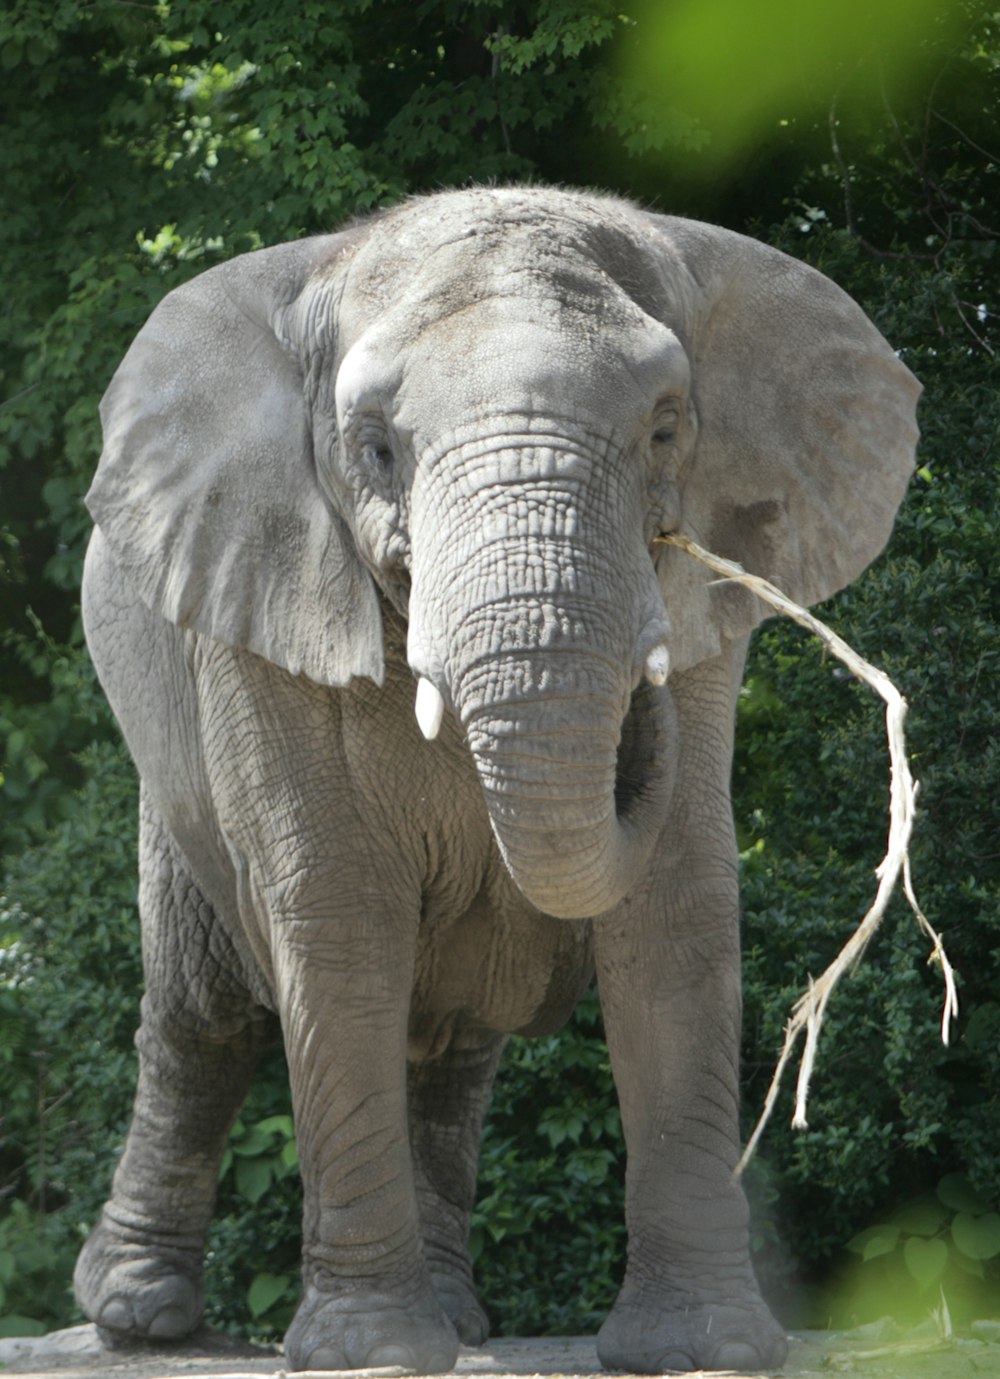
(574, 770)
(536, 611)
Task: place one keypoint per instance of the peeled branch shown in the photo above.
(808, 1011)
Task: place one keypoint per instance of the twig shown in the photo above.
(848, 194)
(9, 401)
(979, 339)
(978, 148)
(496, 67)
(809, 1009)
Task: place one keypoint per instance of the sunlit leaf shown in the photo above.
(977, 1236)
(264, 1292)
(926, 1260)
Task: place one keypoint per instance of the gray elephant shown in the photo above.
(428, 727)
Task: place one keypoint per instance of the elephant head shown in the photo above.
(481, 408)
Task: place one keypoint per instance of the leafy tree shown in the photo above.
(902, 213)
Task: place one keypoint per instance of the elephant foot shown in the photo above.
(658, 1330)
(136, 1286)
(359, 1327)
(463, 1306)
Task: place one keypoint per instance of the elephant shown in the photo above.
(430, 726)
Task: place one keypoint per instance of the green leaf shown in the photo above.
(978, 1237)
(925, 1260)
(277, 1125)
(923, 1217)
(968, 1266)
(956, 1192)
(255, 1142)
(264, 1292)
(253, 1178)
(879, 1245)
(875, 1241)
(34, 1259)
(13, 1325)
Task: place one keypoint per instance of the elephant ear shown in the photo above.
(806, 430)
(207, 486)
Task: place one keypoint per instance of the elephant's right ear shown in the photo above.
(207, 487)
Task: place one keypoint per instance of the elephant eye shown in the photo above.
(377, 457)
(666, 427)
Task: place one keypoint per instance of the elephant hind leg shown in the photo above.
(139, 1273)
(447, 1100)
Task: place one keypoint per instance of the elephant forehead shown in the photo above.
(512, 353)
(439, 256)
(546, 361)
(473, 231)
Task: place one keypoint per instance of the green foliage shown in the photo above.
(891, 1109)
(69, 983)
(547, 1236)
(33, 1269)
(258, 1217)
(946, 1242)
(745, 70)
(43, 737)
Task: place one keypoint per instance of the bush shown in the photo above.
(892, 1111)
(548, 1237)
(941, 1244)
(70, 978)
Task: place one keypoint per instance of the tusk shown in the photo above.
(429, 709)
(658, 665)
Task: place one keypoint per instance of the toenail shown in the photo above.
(116, 1315)
(390, 1357)
(169, 1324)
(676, 1362)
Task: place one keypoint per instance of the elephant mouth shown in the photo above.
(639, 768)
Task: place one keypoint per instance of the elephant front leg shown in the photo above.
(448, 1097)
(368, 1300)
(668, 967)
(671, 1008)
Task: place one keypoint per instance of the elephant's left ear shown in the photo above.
(207, 488)
(806, 429)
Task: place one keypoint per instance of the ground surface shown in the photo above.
(875, 1352)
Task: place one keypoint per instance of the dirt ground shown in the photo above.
(873, 1352)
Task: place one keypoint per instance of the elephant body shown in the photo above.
(429, 729)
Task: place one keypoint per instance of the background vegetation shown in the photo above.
(145, 142)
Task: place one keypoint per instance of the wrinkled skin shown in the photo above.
(438, 448)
